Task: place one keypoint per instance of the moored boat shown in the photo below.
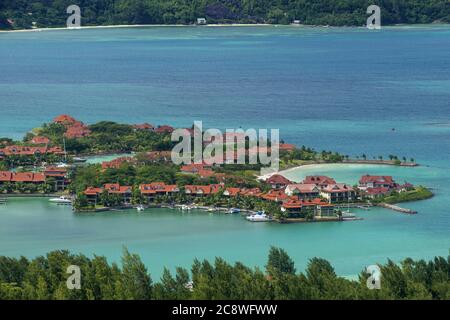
(234, 210)
(61, 200)
(259, 217)
(140, 208)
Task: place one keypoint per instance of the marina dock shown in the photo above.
(397, 208)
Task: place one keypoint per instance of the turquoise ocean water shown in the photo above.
(342, 89)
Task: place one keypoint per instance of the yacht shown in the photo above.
(61, 200)
(259, 217)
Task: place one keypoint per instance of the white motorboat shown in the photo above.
(185, 207)
(140, 208)
(259, 217)
(234, 210)
(61, 200)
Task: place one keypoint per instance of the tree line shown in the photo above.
(45, 278)
(52, 13)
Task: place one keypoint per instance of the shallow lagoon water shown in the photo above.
(340, 89)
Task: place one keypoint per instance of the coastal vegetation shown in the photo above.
(44, 278)
(418, 193)
(39, 13)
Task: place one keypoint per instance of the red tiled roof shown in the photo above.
(209, 189)
(64, 119)
(157, 187)
(117, 188)
(278, 179)
(91, 191)
(74, 132)
(164, 129)
(55, 172)
(286, 147)
(232, 191)
(144, 126)
(376, 179)
(319, 180)
(27, 177)
(338, 187)
(303, 187)
(5, 176)
(40, 140)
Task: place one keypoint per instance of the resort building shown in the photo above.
(301, 208)
(151, 190)
(40, 140)
(303, 191)
(200, 191)
(276, 195)
(125, 192)
(377, 192)
(145, 126)
(29, 151)
(164, 129)
(116, 163)
(320, 181)
(58, 176)
(277, 181)
(369, 181)
(74, 128)
(339, 192)
(231, 192)
(24, 177)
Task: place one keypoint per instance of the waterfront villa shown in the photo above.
(317, 206)
(320, 181)
(339, 192)
(303, 191)
(24, 177)
(58, 175)
(150, 190)
(277, 181)
(369, 181)
(377, 192)
(200, 191)
(92, 193)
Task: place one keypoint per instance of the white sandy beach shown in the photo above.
(140, 26)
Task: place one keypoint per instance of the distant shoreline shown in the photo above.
(205, 26)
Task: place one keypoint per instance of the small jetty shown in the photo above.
(397, 208)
